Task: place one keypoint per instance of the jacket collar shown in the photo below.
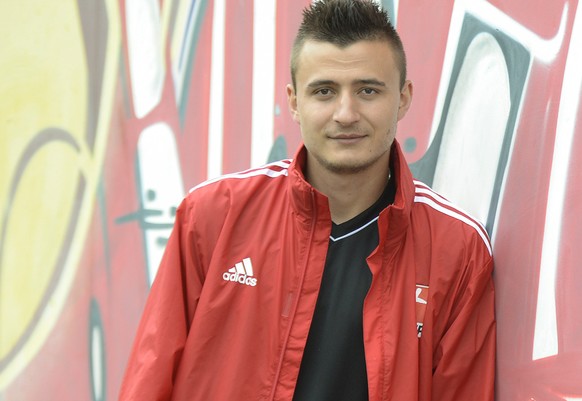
(308, 202)
(394, 220)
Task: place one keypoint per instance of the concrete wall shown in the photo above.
(111, 110)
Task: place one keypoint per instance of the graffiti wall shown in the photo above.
(112, 109)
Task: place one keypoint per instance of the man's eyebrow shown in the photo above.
(370, 81)
(329, 82)
(321, 82)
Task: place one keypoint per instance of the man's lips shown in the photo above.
(347, 137)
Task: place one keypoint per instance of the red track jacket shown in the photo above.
(229, 312)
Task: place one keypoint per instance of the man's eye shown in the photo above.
(369, 91)
(323, 91)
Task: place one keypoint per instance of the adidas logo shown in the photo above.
(242, 273)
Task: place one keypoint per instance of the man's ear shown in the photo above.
(292, 103)
(405, 99)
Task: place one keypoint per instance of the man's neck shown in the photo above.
(348, 194)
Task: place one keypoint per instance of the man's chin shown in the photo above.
(346, 167)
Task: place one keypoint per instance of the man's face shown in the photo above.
(348, 102)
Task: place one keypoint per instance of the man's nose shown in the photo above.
(346, 110)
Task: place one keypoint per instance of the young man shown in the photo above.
(331, 276)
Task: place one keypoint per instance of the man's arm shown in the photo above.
(166, 319)
(464, 360)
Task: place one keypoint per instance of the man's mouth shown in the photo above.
(347, 137)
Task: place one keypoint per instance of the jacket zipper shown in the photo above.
(296, 301)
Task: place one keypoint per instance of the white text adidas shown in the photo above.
(242, 273)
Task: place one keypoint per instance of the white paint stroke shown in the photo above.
(544, 50)
(263, 103)
(216, 106)
(546, 330)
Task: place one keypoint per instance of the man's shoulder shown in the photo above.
(450, 217)
(242, 183)
(246, 177)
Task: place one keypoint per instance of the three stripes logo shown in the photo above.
(242, 273)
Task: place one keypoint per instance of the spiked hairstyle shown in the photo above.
(344, 22)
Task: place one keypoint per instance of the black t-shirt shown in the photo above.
(333, 367)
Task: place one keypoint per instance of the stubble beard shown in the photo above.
(351, 167)
(347, 168)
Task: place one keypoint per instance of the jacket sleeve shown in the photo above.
(464, 358)
(166, 319)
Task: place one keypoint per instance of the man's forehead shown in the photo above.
(363, 60)
(361, 51)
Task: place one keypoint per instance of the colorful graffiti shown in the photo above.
(112, 109)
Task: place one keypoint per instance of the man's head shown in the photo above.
(344, 22)
(349, 88)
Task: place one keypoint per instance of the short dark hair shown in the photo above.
(344, 22)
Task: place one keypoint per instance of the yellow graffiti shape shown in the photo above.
(48, 175)
(43, 85)
(34, 232)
